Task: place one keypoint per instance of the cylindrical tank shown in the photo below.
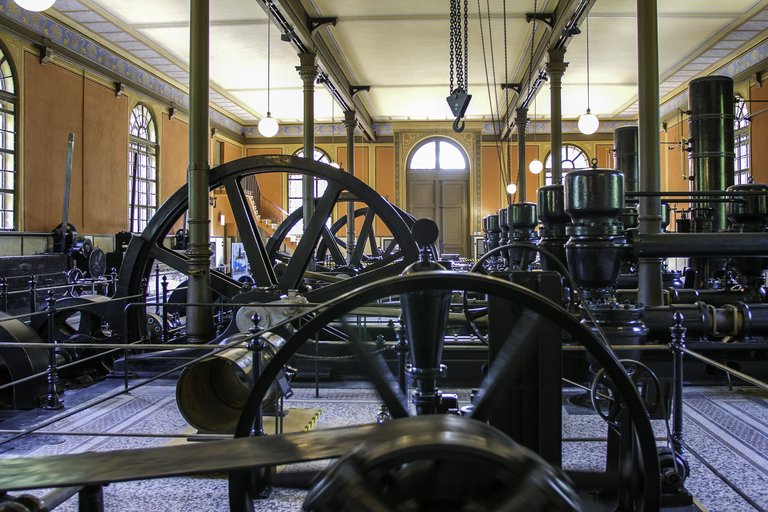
(554, 220)
(211, 394)
(749, 212)
(625, 147)
(504, 226)
(493, 231)
(522, 228)
(711, 135)
(594, 199)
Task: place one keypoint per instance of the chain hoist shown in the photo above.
(459, 98)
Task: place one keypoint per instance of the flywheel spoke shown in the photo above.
(365, 232)
(261, 267)
(305, 251)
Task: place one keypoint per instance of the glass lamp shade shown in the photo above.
(35, 5)
(536, 166)
(268, 126)
(588, 123)
(511, 188)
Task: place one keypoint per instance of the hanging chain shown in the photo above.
(533, 43)
(459, 41)
(465, 72)
(453, 37)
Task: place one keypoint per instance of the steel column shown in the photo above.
(350, 123)
(649, 283)
(521, 121)
(199, 318)
(555, 69)
(308, 73)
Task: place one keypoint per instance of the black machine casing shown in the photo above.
(529, 410)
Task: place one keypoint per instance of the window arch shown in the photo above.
(438, 154)
(142, 157)
(573, 157)
(741, 167)
(8, 174)
(295, 192)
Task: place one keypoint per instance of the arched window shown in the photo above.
(295, 196)
(142, 158)
(741, 168)
(8, 173)
(573, 158)
(438, 154)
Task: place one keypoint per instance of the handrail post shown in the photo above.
(4, 293)
(165, 308)
(677, 345)
(52, 400)
(32, 293)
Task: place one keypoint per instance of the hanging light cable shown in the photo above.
(268, 125)
(588, 122)
(535, 166)
(333, 133)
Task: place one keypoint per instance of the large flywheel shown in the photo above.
(643, 469)
(150, 247)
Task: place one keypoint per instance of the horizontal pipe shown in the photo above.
(700, 193)
(727, 369)
(666, 245)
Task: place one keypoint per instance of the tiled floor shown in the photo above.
(726, 431)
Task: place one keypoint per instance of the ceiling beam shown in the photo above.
(568, 14)
(301, 35)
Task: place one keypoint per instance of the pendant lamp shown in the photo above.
(268, 125)
(588, 122)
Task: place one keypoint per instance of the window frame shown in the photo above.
(437, 140)
(148, 150)
(295, 202)
(9, 175)
(565, 148)
(742, 164)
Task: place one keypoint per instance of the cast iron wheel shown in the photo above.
(525, 299)
(144, 250)
(80, 320)
(474, 467)
(333, 245)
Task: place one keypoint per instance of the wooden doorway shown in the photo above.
(438, 189)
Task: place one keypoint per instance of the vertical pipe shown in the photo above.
(350, 123)
(649, 281)
(555, 69)
(308, 73)
(711, 135)
(521, 121)
(625, 156)
(199, 318)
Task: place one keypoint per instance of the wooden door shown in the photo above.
(443, 200)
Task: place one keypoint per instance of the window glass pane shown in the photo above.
(294, 186)
(142, 160)
(320, 155)
(451, 157)
(320, 186)
(425, 157)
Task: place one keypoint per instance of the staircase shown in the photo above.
(267, 226)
